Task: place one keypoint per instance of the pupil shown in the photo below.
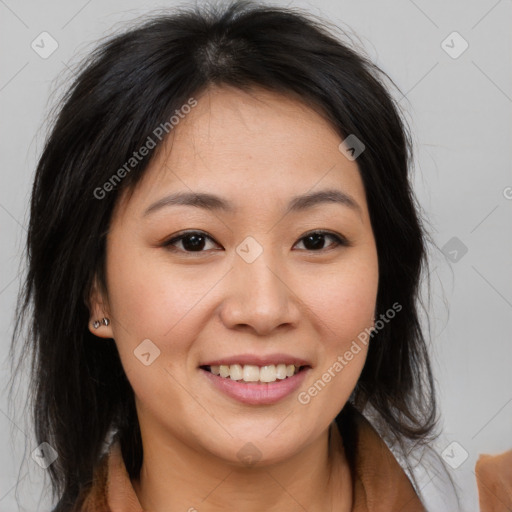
(317, 241)
(197, 242)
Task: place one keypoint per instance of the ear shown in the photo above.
(98, 308)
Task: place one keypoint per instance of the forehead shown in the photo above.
(230, 123)
(257, 144)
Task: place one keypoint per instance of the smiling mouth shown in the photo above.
(252, 374)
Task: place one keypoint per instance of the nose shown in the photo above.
(258, 297)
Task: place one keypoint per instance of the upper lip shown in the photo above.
(258, 360)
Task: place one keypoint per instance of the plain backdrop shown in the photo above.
(458, 100)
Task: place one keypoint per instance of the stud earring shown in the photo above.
(97, 323)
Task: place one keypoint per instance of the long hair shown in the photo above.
(129, 85)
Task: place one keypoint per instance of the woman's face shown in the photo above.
(253, 287)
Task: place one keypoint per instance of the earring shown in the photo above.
(97, 323)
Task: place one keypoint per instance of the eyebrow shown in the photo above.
(215, 203)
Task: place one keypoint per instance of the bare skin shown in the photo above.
(258, 150)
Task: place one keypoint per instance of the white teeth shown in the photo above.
(268, 373)
(253, 373)
(281, 371)
(235, 372)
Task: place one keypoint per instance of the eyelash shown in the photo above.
(339, 240)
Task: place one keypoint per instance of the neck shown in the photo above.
(178, 478)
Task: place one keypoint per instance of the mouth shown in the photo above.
(255, 385)
(256, 379)
(253, 374)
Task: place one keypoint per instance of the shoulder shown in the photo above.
(424, 467)
(93, 498)
(494, 480)
(379, 482)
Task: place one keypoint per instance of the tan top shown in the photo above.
(379, 483)
(494, 479)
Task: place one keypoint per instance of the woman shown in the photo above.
(224, 262)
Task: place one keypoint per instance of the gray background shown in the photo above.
(459, 111)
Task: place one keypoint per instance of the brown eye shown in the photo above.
(192, 241)
(315, 240)
(195, 241)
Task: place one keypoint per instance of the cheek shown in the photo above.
(342, 303)
(150, 297)
(344, 299)
(152, 300)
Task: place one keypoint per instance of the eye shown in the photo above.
(191, 241)
(195, 241)
(315, 240)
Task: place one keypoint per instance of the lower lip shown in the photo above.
(257, 394)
